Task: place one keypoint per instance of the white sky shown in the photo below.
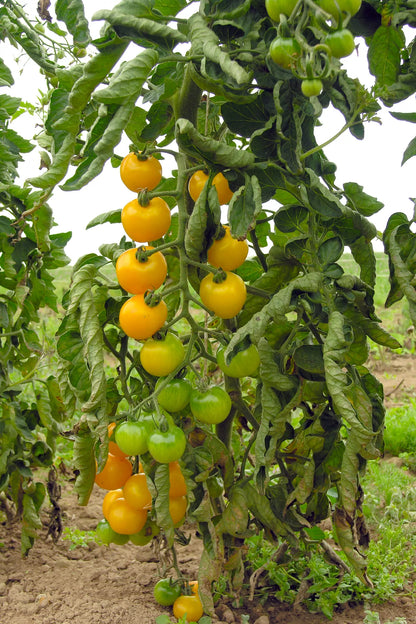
(374, 163)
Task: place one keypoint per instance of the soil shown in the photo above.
(92, 584)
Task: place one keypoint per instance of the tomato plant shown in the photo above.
(188, 606)
(161, 356)
(174, 395)
(136, 272)
(198, 180)
(224, 297)
(211, 406)
(139, 172)
(145, 223)
(227, 253)
(341, 42)
(244, 363)
(166, 591)
(140, 320)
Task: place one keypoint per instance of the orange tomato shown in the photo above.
(112, 446)
(198, 180)
(114, 474)
(146, 223)
(226, 298)
(136, 492)
(109, 499)
(124, 519)
(188, 606)
(138, 174)
(138, 276)
(177, 509)
(176, 480)
(227, 252)
(140, 321)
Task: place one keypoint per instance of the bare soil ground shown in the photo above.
(114, 585)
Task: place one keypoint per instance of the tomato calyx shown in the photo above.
(143, 197)
(219, 277)
(152, 299)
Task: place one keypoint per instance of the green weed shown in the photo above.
(78, 538)
(400, 432)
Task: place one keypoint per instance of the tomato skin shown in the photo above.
(341, 43)
(198, 180)
(109, 499)
(139, 174)
(146, 534)
(285, 51)
(226, 298)
(114, 474)
(175, 395)
(146, 223)
(112, 446)
(334, 6)
(161, 357)
(227, 252)
(190, 606)
(139, 320)
(275, 8)
(177, 509)
(311, 87)
(244, 364)
(136, 492)
(137, 277)
(167, 446)
(177, 484)
(166, 592)
(107, 536)
(131, 436)
(212, 406)
(124, 519)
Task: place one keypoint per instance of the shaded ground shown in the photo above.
(114, 585)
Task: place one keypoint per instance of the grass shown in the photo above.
(400, 432)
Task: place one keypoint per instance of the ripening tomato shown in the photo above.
(177, 484)
(166, 592)
(341, 42)
(227, 253)
(124, 519)
(161, 357)
(136, 492)
(112, 446)
(285, 51)
(136, 275)
(140, 173)
(174, 397)
(224, 298)
(188, 606)
(114, 474)
(109, 499)
(211, 406)
(198, 180)
(243, 364)
(167, 446)
(333, 7)
(177, 509)
(146, 534)
(139, 320)
(107, 536)
(311, 87)
(275, 8)
(131, 436)
(146, 223)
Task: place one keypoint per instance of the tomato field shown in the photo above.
(212, 370)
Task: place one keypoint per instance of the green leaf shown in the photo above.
(230, 67)
(411, 117)
(409, 151)
(384, 54)
(84, 461)
(245, 119)
(245, 204)
(360, 201)
(127, 82)
(290, 218)
(331, 250)
(202, 223)
(42, 223)
(6, 77)
(211, 151)
(310, 359)
(72, 13)
(320, 198)
(114, 216)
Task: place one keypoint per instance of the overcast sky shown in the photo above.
(374, 163)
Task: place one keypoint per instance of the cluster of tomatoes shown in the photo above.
(183, 597)
(127, 503)
(287, 51)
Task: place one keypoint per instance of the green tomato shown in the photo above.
(148, 532)
(161, 357)
(166, 592)
(275, 8)
(311, 87)
(175, 395)
(285, 51)
(107, 536)
(212, 406)
(333, 7)
(131, 436)
(243, 364)
(341, 43)
(167, 446)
